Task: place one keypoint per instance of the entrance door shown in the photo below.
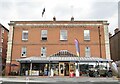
(66, 69)
(61, 69)
(72, 67)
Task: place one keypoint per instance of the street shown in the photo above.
(59, 80)
(64, 83)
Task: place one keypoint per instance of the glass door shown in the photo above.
(61, 69)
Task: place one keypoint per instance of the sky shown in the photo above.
(31, 10)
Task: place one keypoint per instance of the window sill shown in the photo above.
(23, 56)
(63, 40)
(44, 40)
(24, 40)
(87, 40)
(43, 56)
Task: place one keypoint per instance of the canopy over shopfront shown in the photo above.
(61, 56)
(62, 63)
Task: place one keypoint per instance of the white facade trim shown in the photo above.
(9, 48)
(58, 24)
(107, 46)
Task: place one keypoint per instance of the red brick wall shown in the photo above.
(4, 36)
(53, 43)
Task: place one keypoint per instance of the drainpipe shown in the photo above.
(100, 41)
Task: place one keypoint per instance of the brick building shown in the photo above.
(115, 45)
(38, 46)
(3, 47)
(119, 14)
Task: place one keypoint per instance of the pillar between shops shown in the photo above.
(77, 70)
(30, 68)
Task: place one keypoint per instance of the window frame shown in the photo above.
(44, 35)
(86, 35)
(44, 52)
(87, 51)
(1, 50)
(2, 40)
(63, 37)
(3, 30)
(24, 39)
(25, 52)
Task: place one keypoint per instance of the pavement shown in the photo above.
(37, 79)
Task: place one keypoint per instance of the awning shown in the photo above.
(61, 59)
(34, 59)
(61, 56)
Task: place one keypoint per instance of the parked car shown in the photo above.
(100, 70)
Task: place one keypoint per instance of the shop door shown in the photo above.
(61, 69)
(72, 67)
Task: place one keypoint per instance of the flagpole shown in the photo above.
(78, 54)
(43, 14)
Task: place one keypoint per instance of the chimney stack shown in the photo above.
(72, 18)
(116, 30)
(54, 18)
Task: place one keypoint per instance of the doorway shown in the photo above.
(61, 69)
(66, 69)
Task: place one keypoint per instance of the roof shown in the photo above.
(59, 22)
(114, 35)
(4, 27)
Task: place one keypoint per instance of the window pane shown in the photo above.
(0, 49)
(87, 51)
(24, 52)
(63, 34)
(86, 34)
(44, 34)
(2, 30)
(43, 51)
(1, 39)
(25, 35)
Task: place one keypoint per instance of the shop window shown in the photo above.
(44, 35)
(25, 69)
(63, 35)
(87, 51)
(25, 35)
(43, 51)
(24, 52)
(86, 35)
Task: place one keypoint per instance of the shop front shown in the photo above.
(44, 69)
(59, 64)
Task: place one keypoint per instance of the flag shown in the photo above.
(77, 47)
(43, 12)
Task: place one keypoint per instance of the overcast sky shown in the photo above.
(12, 10)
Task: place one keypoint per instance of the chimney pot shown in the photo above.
(54, 18)
(72, 18)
